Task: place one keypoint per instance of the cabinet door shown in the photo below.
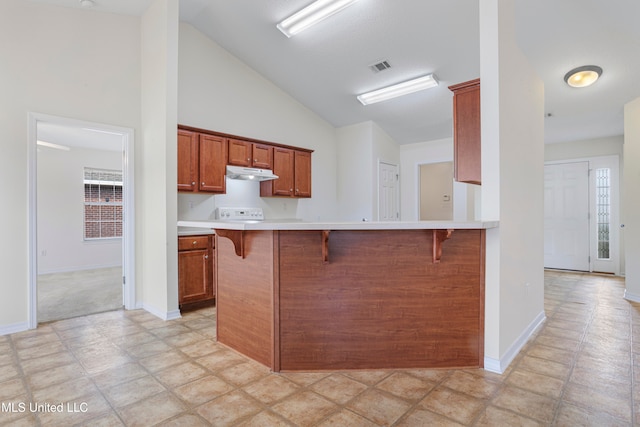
(213, 163)
(187, 161)
(466, 132)
(239, 152)
(262, 156)
(194, 276)
(302, 174)
(283, 161)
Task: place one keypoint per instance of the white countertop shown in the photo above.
(347, 225)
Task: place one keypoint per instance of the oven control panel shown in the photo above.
(239, 214)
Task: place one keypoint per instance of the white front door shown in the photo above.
(566, 216)
(388, 192)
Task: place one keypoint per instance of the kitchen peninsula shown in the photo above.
(299, 296)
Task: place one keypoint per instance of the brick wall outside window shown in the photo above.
(102, 203)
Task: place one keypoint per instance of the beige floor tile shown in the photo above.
(339, 388)
(8, 371)
(133, 391)
(229, 408)
(243, 373)
(201, 348)
(433, 375)
(162, 361)
(220, 360)
(526, 403)
(494, 416)
(545, 367)
(47, 362)
(11, 389)
(203, 390)
(148, 348)
(180, 374)
(184, 339)
(537, 383)
(185, 420)
(379, 407)
(109, 419)
(558, 355)
(55, 375)
(305, 378)
(570, 415)
(470, 384)
(77, 411)
(152, 411)
(346, 418)
(368, 377)
(421, 417)
(456, 406)
(304, 408)
(271, 388)
(65, 392)
(593, 398)
(171, 330)
(264, 419)
(406, 386)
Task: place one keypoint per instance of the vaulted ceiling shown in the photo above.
(326, 66)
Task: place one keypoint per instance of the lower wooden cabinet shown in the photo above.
(195, 271)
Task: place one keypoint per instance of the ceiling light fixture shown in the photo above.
(87, 3)
(400, 89)
(583, 76)
(312, 14)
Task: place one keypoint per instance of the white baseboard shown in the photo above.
(631, 297)
(164, 315)
(12, 329)
(500, 365)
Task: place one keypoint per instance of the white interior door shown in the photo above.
(388, 192)
(566, 216)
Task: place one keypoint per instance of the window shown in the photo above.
(603, 207)
(102, 204)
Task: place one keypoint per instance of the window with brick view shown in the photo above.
(102, 204)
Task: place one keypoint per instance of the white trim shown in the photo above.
(128, 248)
(164, 315)
(631, 297)
(499, 366)
(12, 329)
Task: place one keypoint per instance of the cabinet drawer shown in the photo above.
(186, 243)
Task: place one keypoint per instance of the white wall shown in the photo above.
(157, 251)
(219, 92)
(631, 199)
(56, 61)
(586, 148)
(512, 102)
(355, 185)
(61, 244)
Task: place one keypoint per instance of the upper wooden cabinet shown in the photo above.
(250, 154)
(466, 132)
(187, 160)
(202, 161)
(203, 157)
(293, 168)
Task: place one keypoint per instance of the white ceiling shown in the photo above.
(325, 66)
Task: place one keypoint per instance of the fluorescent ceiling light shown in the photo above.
(311, 15)
(52, 145)
(400, 89)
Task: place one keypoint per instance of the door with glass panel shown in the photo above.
(605, 224)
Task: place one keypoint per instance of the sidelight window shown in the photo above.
(102, 204)
(603, 209)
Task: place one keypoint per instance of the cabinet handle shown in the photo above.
(248, 159)
(255, 160)
(193, 183)
(291, 190)
(206, 257)
(202, 182)
(195, 242)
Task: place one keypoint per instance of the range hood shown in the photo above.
(250, 174)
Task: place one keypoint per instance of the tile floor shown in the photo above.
(130, 368)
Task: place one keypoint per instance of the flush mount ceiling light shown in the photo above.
(87, 3)
(312, 14)
(583, 76)
(400, 89)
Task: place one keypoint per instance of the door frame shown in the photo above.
(612, 161)
(128, 227)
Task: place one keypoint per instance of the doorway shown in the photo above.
(388, 201)
(81, 218)
(581, 220)
(436, 191)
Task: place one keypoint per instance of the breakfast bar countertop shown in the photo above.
(288, 224)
